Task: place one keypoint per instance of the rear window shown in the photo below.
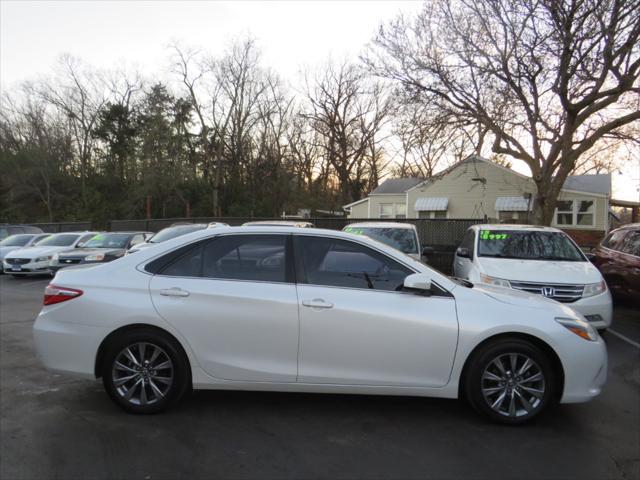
(403, 239)
(173, 232)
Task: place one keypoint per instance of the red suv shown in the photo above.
(618, 258)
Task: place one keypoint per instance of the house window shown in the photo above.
(508, 216)
(575, 213)
(564, 212)
(386, 210)
(393, 210)
(584, 215)
(401, 210)
(432, 214)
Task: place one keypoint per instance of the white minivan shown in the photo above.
(538, 260)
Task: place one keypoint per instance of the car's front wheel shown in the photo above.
(145, 371)
(510, 381)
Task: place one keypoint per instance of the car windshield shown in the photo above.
(528, 245)
(16, 241)
(59, 240)
(173, 232)
(403, 239)
(39, 240)
(108, 240)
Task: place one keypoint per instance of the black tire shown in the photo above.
(526, 404)
(147, 342)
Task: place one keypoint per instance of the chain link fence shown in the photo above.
(63, 227)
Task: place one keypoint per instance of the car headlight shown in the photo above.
(581, 328)
(43, 259)
(592, 289)
(55, 258)
(98, 257)
(499, 282)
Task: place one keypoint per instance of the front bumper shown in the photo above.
(31, 268)
(585, 370)
(598, 310)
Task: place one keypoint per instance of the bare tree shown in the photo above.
(79, 94)
(548, 79)
(348, 111)
(431, 138)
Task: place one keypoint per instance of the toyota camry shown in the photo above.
(310, 310)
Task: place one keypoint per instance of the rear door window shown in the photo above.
(259, 258)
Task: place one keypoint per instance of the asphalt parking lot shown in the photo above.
(57, 427)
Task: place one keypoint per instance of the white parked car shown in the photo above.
(279, 223)
(167, 234)
(538, 260)
(21, 240)
(403, 236)
(309, 310)
(35, 260)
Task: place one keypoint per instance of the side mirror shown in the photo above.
(418, 283)
(590, 256)
(463, 252)
(426, 251)
(80, 245)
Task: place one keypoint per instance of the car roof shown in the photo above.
(382, 225)
(515, 226)
(130, 232)
(628, 226)
(185, 225)
(292, 223)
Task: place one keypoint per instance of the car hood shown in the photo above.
(516, 297)
(83, 252)
(7, 249)
(34, 252)
(540, 271)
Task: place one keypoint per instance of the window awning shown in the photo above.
(437, 204)
(512, 204)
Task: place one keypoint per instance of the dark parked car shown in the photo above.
(618, 258)
(102, 248)
(6, 230)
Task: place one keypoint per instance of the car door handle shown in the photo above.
(317, 303)
(174, 292)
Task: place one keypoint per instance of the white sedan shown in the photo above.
(20, 240)
(36, 260)
(309, 310)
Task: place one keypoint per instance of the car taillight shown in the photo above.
(55, 294)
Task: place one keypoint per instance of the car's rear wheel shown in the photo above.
(145, 371)
(510, 381)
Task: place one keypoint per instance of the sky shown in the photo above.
(291, 34)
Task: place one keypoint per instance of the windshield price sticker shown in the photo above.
(489, 235)
(355, 231)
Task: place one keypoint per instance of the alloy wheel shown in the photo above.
(142, 373)
(513, 385)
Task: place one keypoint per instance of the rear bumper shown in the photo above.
(64, 347)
